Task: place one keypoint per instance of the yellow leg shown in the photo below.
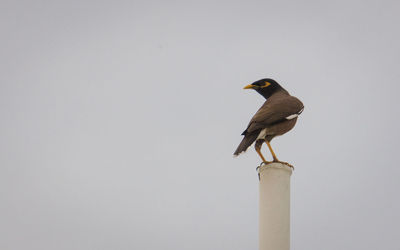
(272, 151)
(259, 153)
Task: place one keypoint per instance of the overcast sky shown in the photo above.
(119, 120)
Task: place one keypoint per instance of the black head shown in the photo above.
(266, 87)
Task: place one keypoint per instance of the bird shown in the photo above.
(275, 117)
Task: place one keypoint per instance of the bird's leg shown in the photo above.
(259, 153)
(272, 151)
(274, 156)
(257, 146)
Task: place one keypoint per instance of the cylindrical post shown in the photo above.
(274, 206)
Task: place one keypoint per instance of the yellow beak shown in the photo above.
(249, 87)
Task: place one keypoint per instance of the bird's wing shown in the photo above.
(273, 111)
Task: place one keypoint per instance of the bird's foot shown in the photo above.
(265, 163)
(262, 164)
(288, 164)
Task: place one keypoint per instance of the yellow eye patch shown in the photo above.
(266, 85)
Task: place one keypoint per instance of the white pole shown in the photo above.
(274, 207)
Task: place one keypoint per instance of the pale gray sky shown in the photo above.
(119, 120)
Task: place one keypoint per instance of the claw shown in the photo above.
(265, 163)
(288, 164)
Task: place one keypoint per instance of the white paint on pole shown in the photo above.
(274, 207)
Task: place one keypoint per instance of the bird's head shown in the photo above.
(266, 87)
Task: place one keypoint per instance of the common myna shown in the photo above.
(276, 116)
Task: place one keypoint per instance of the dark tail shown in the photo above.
(246, 142)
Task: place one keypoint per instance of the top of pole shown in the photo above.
(274, 165)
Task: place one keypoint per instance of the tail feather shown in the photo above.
(245, 143)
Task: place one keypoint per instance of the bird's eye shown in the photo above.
(266, 84)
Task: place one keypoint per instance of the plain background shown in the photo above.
(119, 120)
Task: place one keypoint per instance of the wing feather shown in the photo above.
(273, 111)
